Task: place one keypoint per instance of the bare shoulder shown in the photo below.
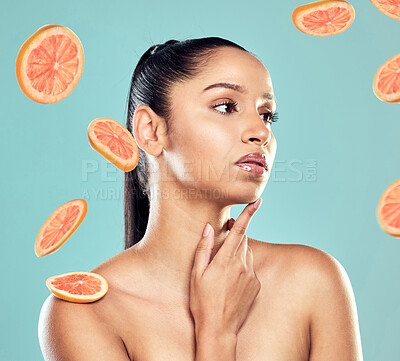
(316, 284)
(309, 262)
(83, 331)
(119, 271)
(72, 331)
(309, 272)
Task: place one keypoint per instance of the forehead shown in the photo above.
(230, 68)
(229, 59)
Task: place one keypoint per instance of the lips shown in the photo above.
(254, 158)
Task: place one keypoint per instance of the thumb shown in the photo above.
(203, 251)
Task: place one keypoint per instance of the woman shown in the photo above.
(196, 107)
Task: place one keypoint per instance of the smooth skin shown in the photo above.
(223, 291)
(154, 309)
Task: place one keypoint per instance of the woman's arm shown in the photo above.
(212, 345)
(70, 332)
(334, 328)
(222, 290)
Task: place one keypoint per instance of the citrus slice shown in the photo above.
(79, 287)
(388, 210)
(49, 64)
(323, 18)
(386, 83)
(114, 142)
(61, 224)
(388, 7)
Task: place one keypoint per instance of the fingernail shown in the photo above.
(207, 230)
(257, 203)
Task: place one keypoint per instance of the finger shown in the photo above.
(249, 257)
(232, 241)
(203, 253)
(242, 249)
(231, 222)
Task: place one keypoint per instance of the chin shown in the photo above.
(241, 194)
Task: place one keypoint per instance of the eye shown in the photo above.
(272, 117)
(229, 104)
(269, 116)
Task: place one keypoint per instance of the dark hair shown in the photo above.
(159, 68)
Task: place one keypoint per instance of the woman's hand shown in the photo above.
(222, 291)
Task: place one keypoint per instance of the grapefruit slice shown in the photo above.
(388, 210)
(61, 224)
(323, 18)
(114, 142)
(386, 83)
(49, 64)
(78, 287)
(388, 7)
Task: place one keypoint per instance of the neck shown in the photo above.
(173, 232)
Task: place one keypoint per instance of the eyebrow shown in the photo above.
(240, 89)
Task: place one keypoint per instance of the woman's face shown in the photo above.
(209, 137)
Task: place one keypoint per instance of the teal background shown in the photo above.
(328, 114)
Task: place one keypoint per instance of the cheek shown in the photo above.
(200, 136)
(206, 155)
(217, 152)
(272, 147)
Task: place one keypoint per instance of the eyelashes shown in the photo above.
(273, 117)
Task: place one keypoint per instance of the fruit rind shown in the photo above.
(125, 166)
(383, 11)
(392, 98)
(77, 298)
(83, 211)
(32, 42)
(389, 230)
(301, 10)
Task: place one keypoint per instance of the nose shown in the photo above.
(257, 130)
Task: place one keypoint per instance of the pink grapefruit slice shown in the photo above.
(388, 210)
(386, 83)
(388, 7)
(49, 64)
(114, 142)
(78, 287)
(60, 225)
(323, 18)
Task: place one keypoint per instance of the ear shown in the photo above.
(149, 130)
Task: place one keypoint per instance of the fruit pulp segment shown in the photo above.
(113, 136)
(77, 284)
(330, 20)
(390, 6)
(59, 226)
(389, 77)
(391, 208)
(53, 64)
